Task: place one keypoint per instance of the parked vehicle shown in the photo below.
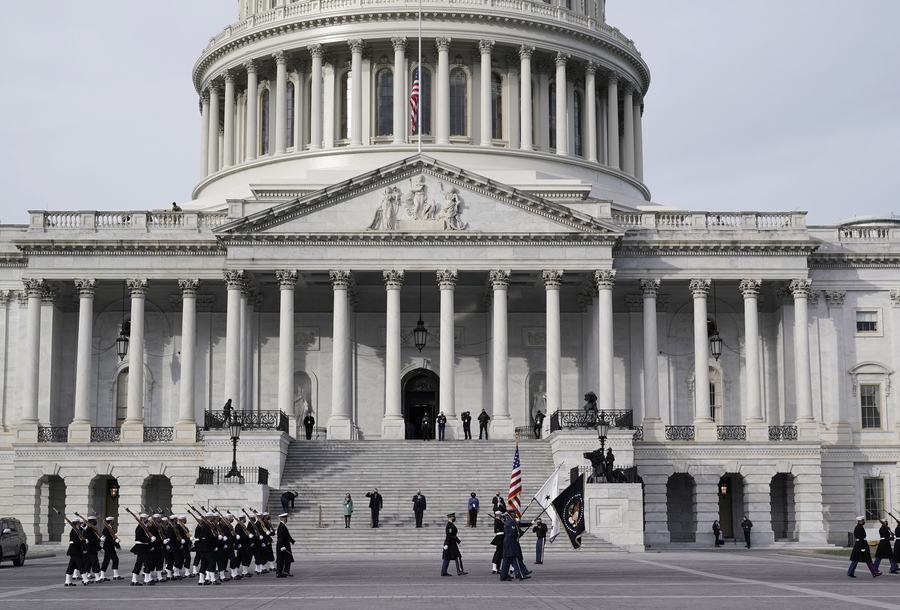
(13, 541)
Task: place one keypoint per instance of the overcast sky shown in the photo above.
(769, 105)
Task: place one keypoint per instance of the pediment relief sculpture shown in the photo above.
(418, 211)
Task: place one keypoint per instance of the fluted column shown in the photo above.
(442, 102)
(552, 281)
(339, 424)
(234, 282)
(526, 117)
(280, 102)
(447, 282)
(212, 159)
(28, 424)
(487, 137)
(204, 134)
(186, 425)
(317, 51)
(750, 290)
(392, 426)
(699, 291)
(80, 429)
(356, 50)
(638, 139)
(501, 424)
(612, 120)
(590, 98)
(562, 105)
(628, 120)
(133, 426)
(287, 282)
(650, 289)
(606, 390)
(800, 289)
(252, 108)
(228, 144)
(400, 97)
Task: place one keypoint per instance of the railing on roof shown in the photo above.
(712, 221)
(143, 220)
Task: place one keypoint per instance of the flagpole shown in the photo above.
(421, 93)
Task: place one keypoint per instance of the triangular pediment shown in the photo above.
(423, 198)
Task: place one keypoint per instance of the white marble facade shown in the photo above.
(535, 258)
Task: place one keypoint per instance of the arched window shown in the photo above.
(384, 102)
(346, 105)
(121, 396)
(716, 403)
(264, 123)
(576, 120)
(551, 119)
(458, 102)
(496, 106)
(289, 110)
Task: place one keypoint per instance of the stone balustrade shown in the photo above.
(709, 221)
(142, 220)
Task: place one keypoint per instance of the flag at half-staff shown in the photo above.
(544, 498)
(513, 502)
(569, 506)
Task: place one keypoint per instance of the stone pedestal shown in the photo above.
(757, 432)
(705, 432)
(27, 432)
(615, 513)
(131, 433)
(502, 428)
(339, 429)
(807, 431)
(184, 433)
(393, 429)
(654, 430)
(80, 432)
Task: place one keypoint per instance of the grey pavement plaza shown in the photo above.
(717, 578)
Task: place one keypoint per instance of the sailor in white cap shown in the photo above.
(861, 550)
(75, 552)
(111, 546)
(141, 548)
(884, 550)
(283, 542)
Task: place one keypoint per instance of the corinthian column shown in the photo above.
(186, 425)
(447, 282)
(650, 289)
(339, 424)
(252, 108)
(501, 425)
(80, 428)
(606, 392)
(612, 120)
(800, 289)
(228, 143)
(400, 97)
(287, 281)
(280, 102)
(28, 425)
(316, 110)
(392, 424)
(212, 157)
(133, 426)
(526, 117)
(487, 136)
(204, 134)
(628, 145)
(638, 139)
(562, 105)
(356, 51)
(552, 281)
(700, 290)
(590, 98)
(443, 91)
(234, 282)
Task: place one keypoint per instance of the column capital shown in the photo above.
(634, 303)
(801, 288)
(650, 288)
(204, 97)
(700, 288)
(447, 278)
(356, 45)
(213, 87)
(316, 50)
(33, 287)
(227, 76)
(628, 87)
(86, 287)
(499, 279)
(835, 298)
(485, 46)
(590, 68)
(895, 298)
(442, 44)
(189, 288)
(251, 66)
(393, 278)
(399, 43)
(525, 52)
(247, 288)
(50, 295)
(206, 302)
(605, 278)
(585, 298)
(612, 78)
(561, 59)
(552, 278)
(280, 57)
(287, 278)
(750, 287)
(137, 286)
(5, 296)
(340, 279)
(234, 278)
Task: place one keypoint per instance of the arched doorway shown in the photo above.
(731, 504)
(51, 493)
(420, 396)
(104, 496)
(157, 493)
(784, 519)
(681, 508)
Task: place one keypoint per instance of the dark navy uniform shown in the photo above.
(111, 548)
(884, 551)
(861, 550)
(141, 549)
(76, 552)
(540, 530)
(451, 547)
(285, 557)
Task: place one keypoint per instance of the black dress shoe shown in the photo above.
(876, 574)
(461, 573)
(852, 575)
(445, 574)
(137, 584)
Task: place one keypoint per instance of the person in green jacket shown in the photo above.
(348, 510)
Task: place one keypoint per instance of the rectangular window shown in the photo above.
(866, 321)
(874, 500)
(870, 403)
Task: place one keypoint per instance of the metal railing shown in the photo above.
(200, 436)
(525, 432)
(587, 420)
(254, 475)
(679, 433)
(782, 433)
(105, 434)
(624, 474)
(638, 434)
(250, 420)
(53, 434)
(731, 433)
(159, 435)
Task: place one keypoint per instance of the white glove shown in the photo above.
(283, 549)
(166, 541)
(445, 547)
(237, 537)
(221, 537)
(152, 538)
(102, 538)
(251, 536)
(193, 539)
(118, 541)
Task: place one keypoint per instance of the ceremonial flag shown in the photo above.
(569, 507)
(414, 102)
(515, 485)
(544, 498)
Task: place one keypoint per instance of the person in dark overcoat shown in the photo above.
(896, 542)
(284, 555)
(419, 507)
(512, 550)
(861, 550)
(451, 547)
(375, 504)
(884, 550)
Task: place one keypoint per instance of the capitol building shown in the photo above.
(505, 254)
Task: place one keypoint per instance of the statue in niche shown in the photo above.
(386, 213)
(301, 406)
(540, 400)
(451, 210)
(417, 204)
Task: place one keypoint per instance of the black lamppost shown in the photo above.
(602, 432)
(235, 428)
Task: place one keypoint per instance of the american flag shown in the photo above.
(414, 102)
(515, 484)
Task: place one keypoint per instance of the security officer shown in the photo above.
(451, 548)
(540, 530)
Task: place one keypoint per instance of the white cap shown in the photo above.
(76, 519)
(110, 518)
(92, 518)
(165, 518)
(210, 514)
(283, 515)
(860, 518)
(265, 514)
(156, 515)
(143, 515)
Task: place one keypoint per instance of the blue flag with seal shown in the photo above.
(569, 506)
